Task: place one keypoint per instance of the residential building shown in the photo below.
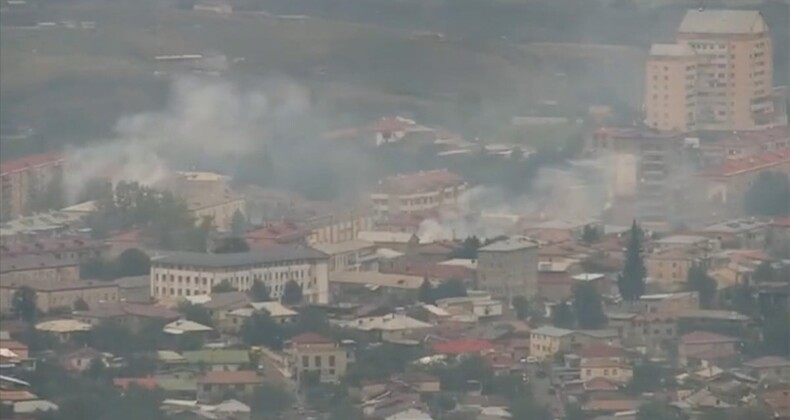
(398, 241)
(603, 361)
(476, 303)
(208, 195)
(671, 88)
(509, 267)
(394, 327)
(769, 367)
(55, 259)
(338, 225)
(725, 184)
(672, 265)
(180, 274)
(234, 320)
(369, 286)
(352, 255)
(654, 332)
(742, 144)
(64, 330)
(545, 342)
(23, 179)
(218, 360)
(134, 289)
(746, 233)
(54, 295)
(134, 316)
(214, 386)
(310, 352)
(734, 68)
(705, 347)
(417, 192)
(220, 211)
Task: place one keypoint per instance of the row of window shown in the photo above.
(317, 361)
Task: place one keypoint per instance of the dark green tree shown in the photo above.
(292, 293)
(649, 376)
(223, 287)
(562, 315)
(238, 224)
(270, 401)
(259, 292)
(232, 245)
(587, 307)
(132, 262)
(261, 329)
(776, 332)
(769, 195)
(426, 292)
(449, 288)
(23, 304)
(521, 306)
(590, 234)
(80, 305)
(699, 281)
(196, 313)
(468, 248)
(631, 282)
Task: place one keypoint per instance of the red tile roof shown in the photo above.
(462, 346)
(600, 350)
(29, 162)
(611, 406)
(782, 222)
(310, 338)
(420, 182)
(705, 337)
(146, 382)
(747, 164)
(778, 400)
(235, 377)
(280, 232)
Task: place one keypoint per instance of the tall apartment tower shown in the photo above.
(671, 88)
(732, 88)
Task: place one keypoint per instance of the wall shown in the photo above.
(509, 273)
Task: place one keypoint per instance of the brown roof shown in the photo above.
(422, 181)
(705, 337)
(117, 309)
(237, 377)
(310, 338)
(600, 350)
(16, 395)
(12, 345)
(611, 406)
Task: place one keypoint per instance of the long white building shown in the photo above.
(192, 273)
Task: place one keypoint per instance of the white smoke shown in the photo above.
(204, 120)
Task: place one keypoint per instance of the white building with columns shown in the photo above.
(179, 274)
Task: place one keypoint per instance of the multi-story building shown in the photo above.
(725, 184)
(179, 274)
(417, 192)
(22, 179)
(670, 87)
(53, 294)
(544, 342)
(509, 267)
(339, 225)
(310, 352)
(214, 386)
(208, 195)
(735, 68)
(353, 255)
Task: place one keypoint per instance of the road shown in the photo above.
(541, 388)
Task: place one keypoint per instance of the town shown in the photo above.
(619, 270)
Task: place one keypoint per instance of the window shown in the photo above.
(332, 361)
(305, 361)
(318, 361)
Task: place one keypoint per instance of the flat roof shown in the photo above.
(671, 50)
(343, 247)
(269, 255)
(551, 331)
(513, 243)
(722, 22)
(372, 278)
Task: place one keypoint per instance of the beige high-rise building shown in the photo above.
(730, 55)
(670, 87)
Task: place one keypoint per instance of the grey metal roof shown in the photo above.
(270, 255)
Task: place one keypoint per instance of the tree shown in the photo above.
(238, 224)
(521, 305)
(97, 269)
(658, 411)
(449, 288)
(776, 332)
(261, 329)
(270, 400)
(529, 409)
(769, 195)
(232, 246)
(259, 292)
(468, 248)
(223, 287)
(562, 315)
(699, 281)
(648, 377)
(590, 234)
(23, 304)
(587, 307)
(292, 293)
(426, 293)
(196, 313)
(80, 305)
(631, 282)
(132, 262)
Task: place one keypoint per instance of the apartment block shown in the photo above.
(509, 267)
(310, 352)
(22, 179)
(181, 274)
(670, 86)
(417, 192)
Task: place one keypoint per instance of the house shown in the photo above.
(54, 295)
(778, 401)
(220, 304)
(703, 347)
(769, 367)
(146, 382)
(546, 341)
(394, 327)
(740, 233)
(352, 255)
(64, 329)
(182, 332)
(396, 241)
(220, 360)
(462, 346)
(655, 332)
(215, 386)
(132, 315)
(477, 303)
(310, 352)
(15, 347)
(278, 312)
(368, 286)
(607, 362)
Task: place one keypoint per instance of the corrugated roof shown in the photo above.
(722, 22)
(241, 259)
